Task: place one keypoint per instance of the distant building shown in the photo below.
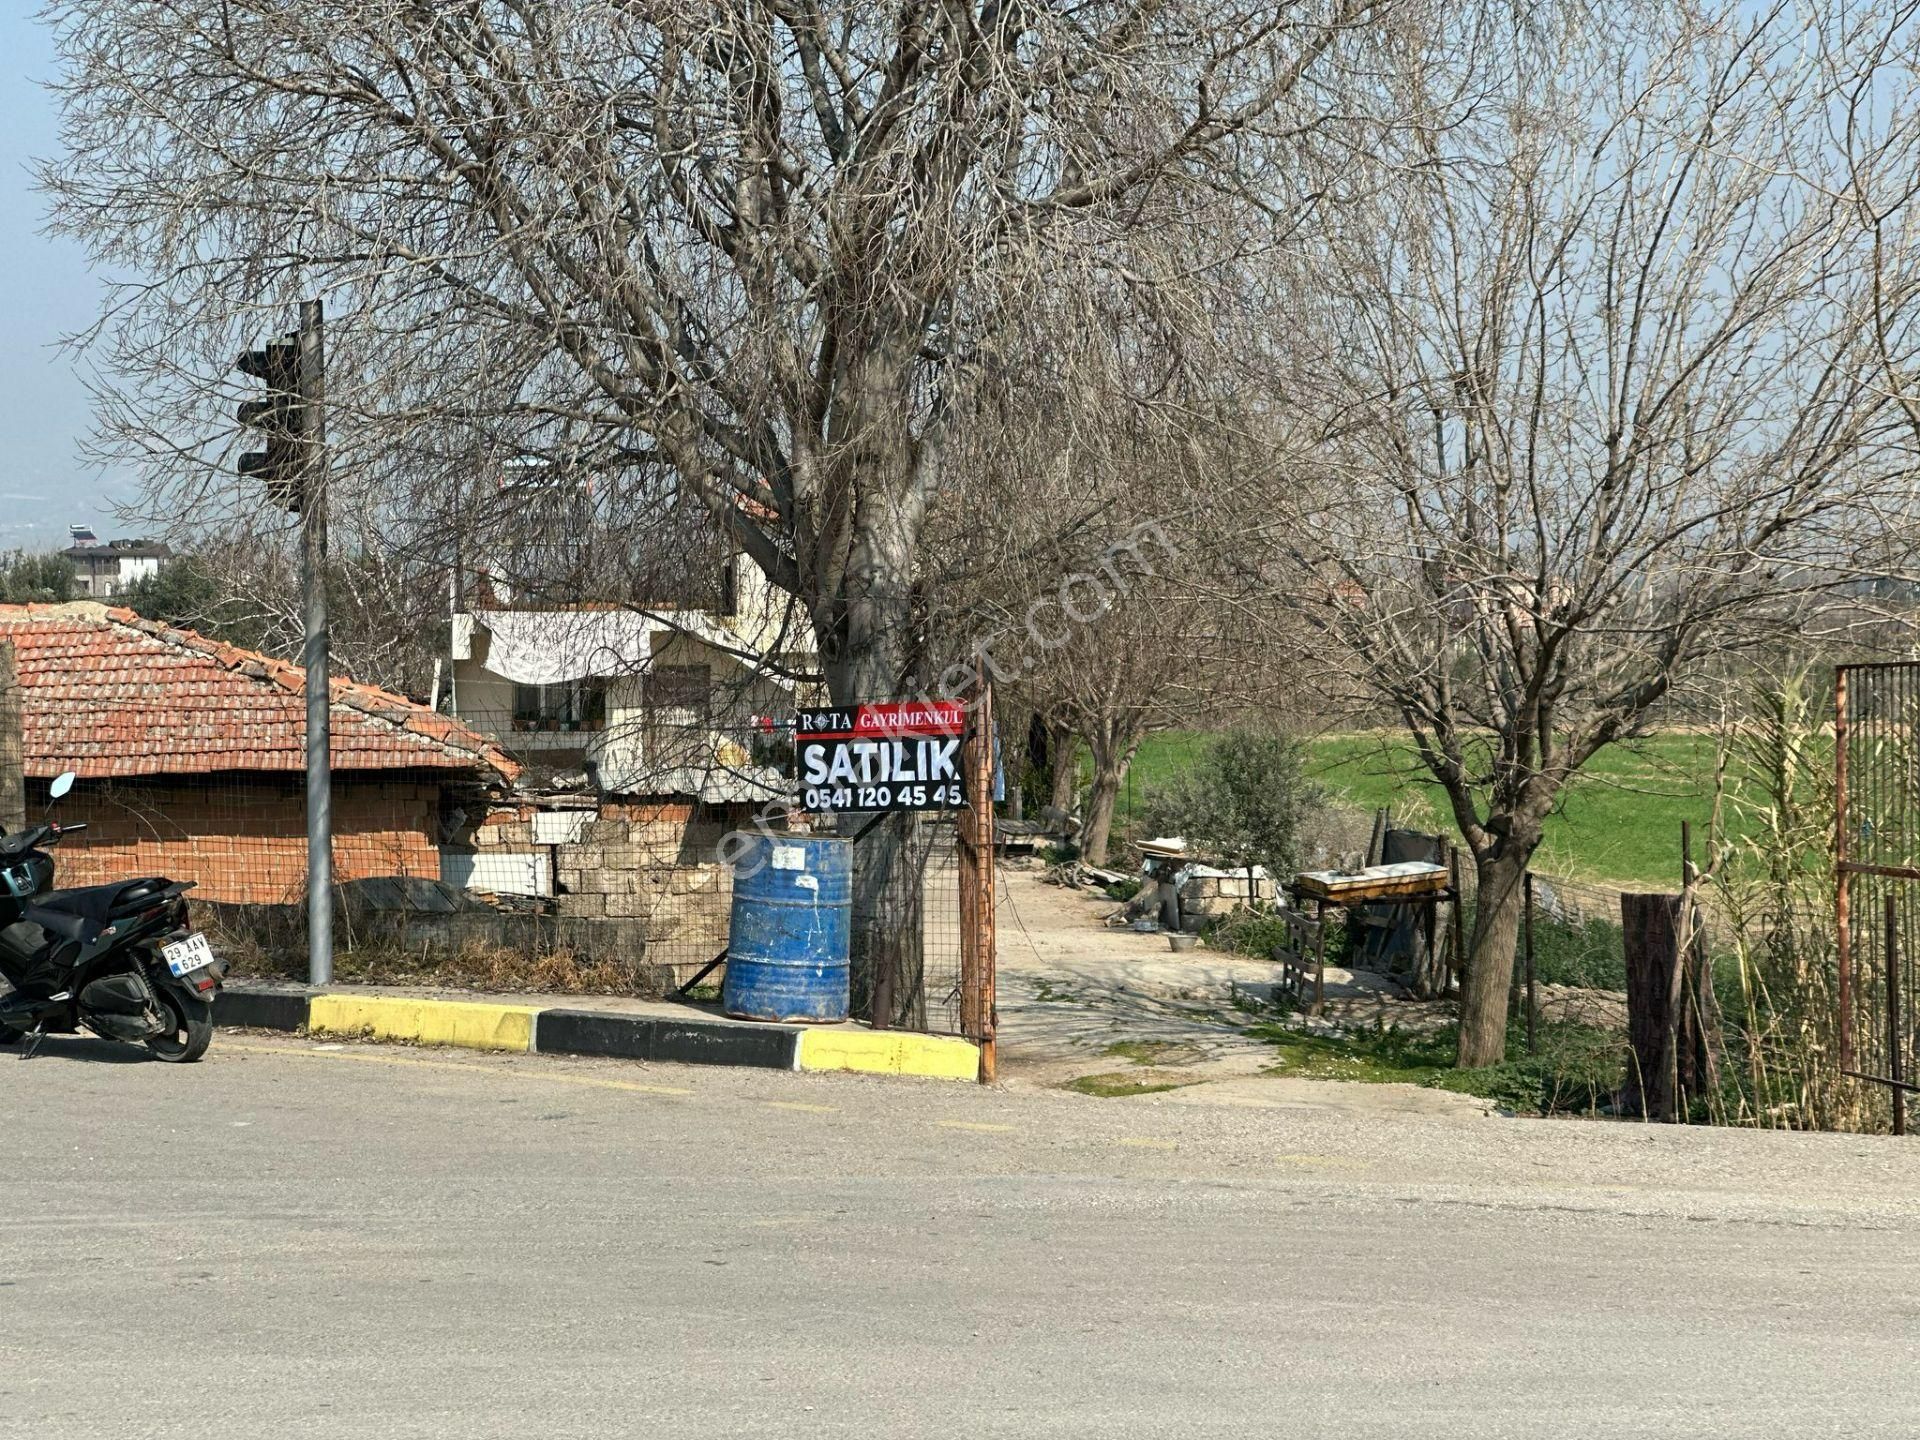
(113, 567)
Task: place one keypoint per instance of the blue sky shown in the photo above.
(46, 291)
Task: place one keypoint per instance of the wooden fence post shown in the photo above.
(1455, 925)
(1664, 1024)
(1533, 993)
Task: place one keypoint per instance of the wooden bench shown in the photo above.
(1302, 959)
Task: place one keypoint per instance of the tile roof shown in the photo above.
(109, 694)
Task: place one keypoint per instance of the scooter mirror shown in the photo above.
(61, 785)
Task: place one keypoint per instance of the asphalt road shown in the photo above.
(288, 1240)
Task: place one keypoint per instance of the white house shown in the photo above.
(645, 701)
(112, 568)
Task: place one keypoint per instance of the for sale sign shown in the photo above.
(903, 755)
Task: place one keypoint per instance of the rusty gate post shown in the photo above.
(969, 858)
(978, 1019)
(1896, 1068)
(984, 916)
(1843, 960)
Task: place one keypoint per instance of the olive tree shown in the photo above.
(1243, 801)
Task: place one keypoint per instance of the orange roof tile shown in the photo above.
(109, 694)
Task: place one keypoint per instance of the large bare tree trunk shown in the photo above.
(1109, 774)
(1064, 748)
(1489, 961)
(870, 656)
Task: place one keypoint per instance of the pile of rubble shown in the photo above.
(1177, 892)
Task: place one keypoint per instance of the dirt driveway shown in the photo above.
(1078, 998)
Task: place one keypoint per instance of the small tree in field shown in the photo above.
(1242, 803)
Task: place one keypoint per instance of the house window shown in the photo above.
(679, 687)
(570, 705)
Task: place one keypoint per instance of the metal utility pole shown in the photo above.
(316, 657)
(292, 468)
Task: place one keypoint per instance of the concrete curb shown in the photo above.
(890, 1052)
(468, 1026)
(647, 1037)
(556, 1030)
(260, 1009)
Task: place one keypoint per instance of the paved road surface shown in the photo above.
(291, 1241)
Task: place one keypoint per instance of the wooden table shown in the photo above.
(1410, 882)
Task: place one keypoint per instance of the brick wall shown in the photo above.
(243, 837)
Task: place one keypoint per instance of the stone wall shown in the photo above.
(1206, 896)
(653, 865)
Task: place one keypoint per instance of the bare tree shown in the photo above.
(1869, 65)
(748, 252)
(1113, 682)
(389, 615)
(1599, 405)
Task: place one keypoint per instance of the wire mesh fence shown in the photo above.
(448, 876)
(906, 926)
(441, 881)
(1577, 936)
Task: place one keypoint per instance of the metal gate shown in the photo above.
(1876, 735)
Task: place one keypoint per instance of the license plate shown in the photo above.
(192, 953)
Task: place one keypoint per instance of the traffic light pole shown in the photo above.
(313, 565)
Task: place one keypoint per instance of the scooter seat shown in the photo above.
(101, 905)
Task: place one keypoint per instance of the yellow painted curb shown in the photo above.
(462, 1023)
(890, 1052)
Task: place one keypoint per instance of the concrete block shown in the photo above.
(260, 1009)
(889, 1052)
(627, 906)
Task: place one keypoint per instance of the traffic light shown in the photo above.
(284, 419)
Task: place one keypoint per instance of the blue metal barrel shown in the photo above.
(787, 949)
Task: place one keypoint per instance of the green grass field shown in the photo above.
(1619, 823)
(1160, 758)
